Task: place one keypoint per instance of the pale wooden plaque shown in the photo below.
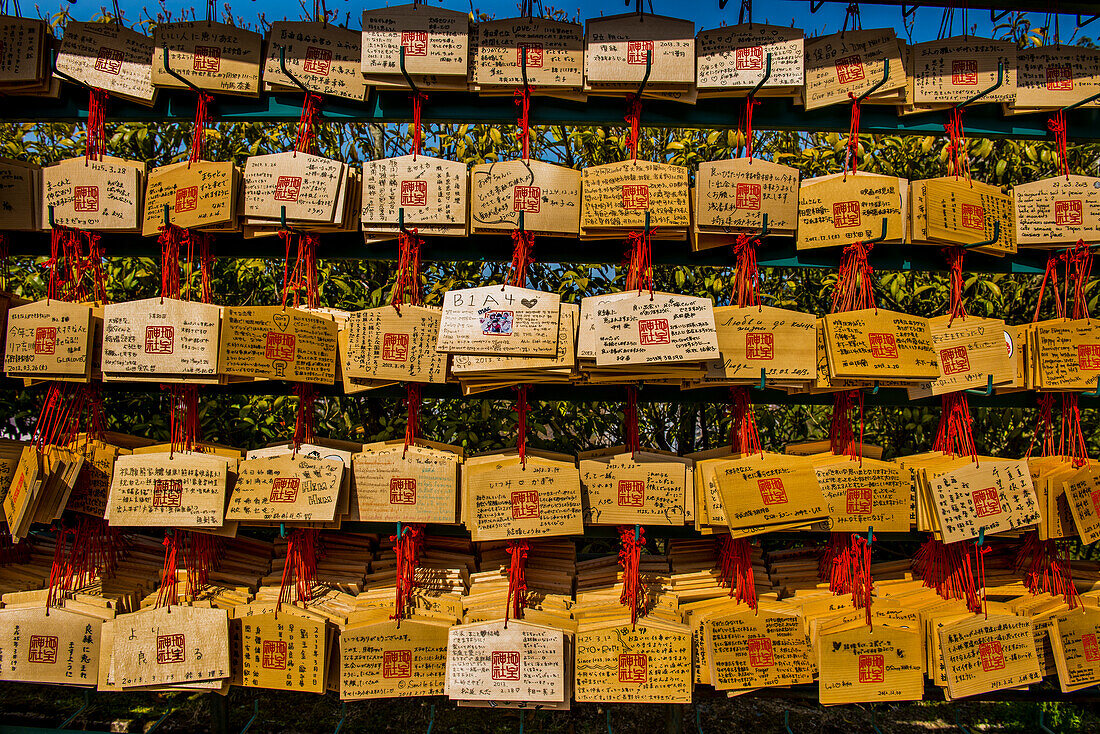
(851, 62)
(170, 645)
(58, 646)
(616, 47)
(306, 187)
(1067, 354)
(19, 192)
(95, 195)
(645, 328)
(436, 41)
(864, 493)
(994, 495)
(1057, 211)
(747, 649)
(876, 344)
(864, 665)
(286, 488)
(217, 57)
(430, 191)
(835, 211)
(960, 214)
(199, 194)
(22, 44)
(109, 57)
(617, 196)
(500, 320)
(283, 652)
(418, 484)
(489, 661)
(955, 69)
(735, 58)
(648, 663)
(769, 489)
(982, 654)
(971, 350)
(1076, 650)
(393, 659)
(548, 197)
(387, 344)
(277, 343)
(325, 58)
(503, 500)
(554, 52)
(180, 489)
(1057, 76)
(633, 489)
(49, 338)
(161, 337)
(734, 195)
(764, 341)
(1083, 494)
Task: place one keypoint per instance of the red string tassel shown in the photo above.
(517, 579)
(202, 120)
(1057, 125)
(168, 594)
(523, 245)
(407, 545)
(735, 569)
(634, 121)
(523, 133)
(300, 566)
(521, 425)
(746, 279)
(412, 406)
(631, 542)
(743, 433)
(862, 583)
(304, 416)
(407, 280)
(95, 144)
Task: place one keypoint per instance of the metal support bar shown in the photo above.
(175, 75)
(988, 387)
(79, 711)
(885, 78)
(297, 82)
(1000, 82)
(987, 243)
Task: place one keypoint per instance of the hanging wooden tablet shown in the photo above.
(504, 499)
(1067, 354)
(971, 351)
(276, 343)
(217, 57)
(92, 491)
(58, 646)
(282, 651)
(170, 645)
(48, 339)
(852, 62)
(390, 659)
(736, 195)
(436, 44)
(864, 493)
(747, 649)
(431, 193)
(520, 661)
(110, 57)
(763, 343)
(876, 344)
(1056, 76)
(554, 52)
(415, 484)
(24, 42)
(286, 488)
(615, 198)
(1057, 211)
(324, 57)
(182, 489)
(954, 70)
(837, 211)
(986, 654)
(734, 59)
(500, 320)
(548, 196)
(94, 195)
(1082, 490)
(1076, 650)
(631, 489)
(646, 328)
(20, 189)
(617, 46)
(648, 663)
(299, 187)
(769, 489)
(387, 344)
(964, 214)
(862, 664)
(198, 195)
(161, 339)
(994, 495)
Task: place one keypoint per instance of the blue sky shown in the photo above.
(705, 13)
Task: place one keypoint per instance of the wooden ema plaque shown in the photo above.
(161, 338)
(639, 489)
(548, 197)
(864, 493)
(306, 187)
(283, 652)
(182, 489)
(971, 350)
(436, 43)
(500, 320)
(735, 195)
(198, 195)
(521, 662)
(55, 647)
(1076, 650)
(876, 344)
(213, 56)
(430, 191)
(644, 328)
(276, 343)
(616, 48)
(387, 344)
(1057, 211)
(109, 57)
(23, 48)
(1056, 76)
(994, 495)
(862, 664)
(616, 196)
(170, 645)
(554, 52)
(95, 195)
(325, 58)
(93, 487)
(650, 663)
(389, 659)
(769, 489)
(834, 211)
(49, 338)
(734, 59)
(286, 488)
(986, 654)
(851, 62)
(757, 341)
(746, 649)
(417, 485)
(1082, 489)
(502, 499)
(960, 214)
(20, 184)
(953, 70)
(1067, 354)
(482, 369)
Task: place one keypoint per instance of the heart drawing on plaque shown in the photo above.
(529, 302)
(281, 319)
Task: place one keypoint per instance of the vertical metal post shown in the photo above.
(218, 705)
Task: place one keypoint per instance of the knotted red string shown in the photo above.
(854, 289)
(639, 273)
(743, 432)
(170, 239)
(412, 407)
(418, 100)
(184, 417)
(1057, 125)
(842, 438)
(517, 580)
(200, 558)
(956, 144)
(955, 433)
(302, 279)
(735, 569)
(835, 565)
(168, 594)
(203, 118)
(978, 585)
(300, 566)
(95, 143)
(631, 542)
(1044, 427)
(407, 545)
(851, 154)
(750, 103)
(956, 306)
(54, 593)
(407, 280)
(521, 424)
(862, 584)
(634, 121)
(1047, 568)
(306, 139)
(523, 247)
(746, 278)
(630, 422)
(1078, 271)
(523, 133)
(1049, 274)
(949, 570)
(304, 415)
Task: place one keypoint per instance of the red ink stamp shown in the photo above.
(633, 667)
(883, 346)
(653, 331)
(397, 664)
(415, 43)
(986, 501)
(43, 649)
(187, 199)
(534, 54)
(109, 61)
(631, 493)
(846, 214)
(284, 489)
(414, 193)
(45, 340)
(287, 188)
(279, 347)
(1068, 213)
(749, 58)
(954, 360)
(991, 655)
(858, 501)
(1059, 78)
(761, 654)
(872, 668)
(638, 53)
(973, 217)
(1088, 645)
(395, 347)
(964, 73)
(171, 649)
(273, 654)
(167, 492)
(402, 490)
(160, 339)
(850, 69)
(85, 198)
(525, 505)
(526, 199)
(318, 61)
(772, 491)
(505, 665)
(635, 197)
(759, 345)
(208, 59)
(1088, 356)
(748, 196)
